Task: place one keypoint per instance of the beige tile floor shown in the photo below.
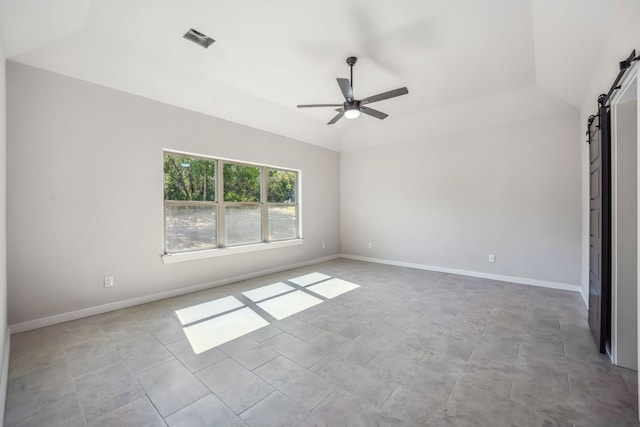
(408, 347)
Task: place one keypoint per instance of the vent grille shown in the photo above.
(198, 38)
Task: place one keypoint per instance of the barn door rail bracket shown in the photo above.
(589, 122)
(604, 98)
(624, 66)
(629, 61)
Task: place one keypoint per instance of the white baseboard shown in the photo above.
(4, 379)
(584, 297)
(500, 277)
(104, 308)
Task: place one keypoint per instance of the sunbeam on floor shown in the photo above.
(216, 322)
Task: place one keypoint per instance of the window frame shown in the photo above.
(268, 204)
(220, 204)
(224, 204)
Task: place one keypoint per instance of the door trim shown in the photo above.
(630, 77)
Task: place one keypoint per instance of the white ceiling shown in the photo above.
(466, 63)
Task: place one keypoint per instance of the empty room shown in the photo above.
(336, 213)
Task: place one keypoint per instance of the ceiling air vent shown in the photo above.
(198, 38)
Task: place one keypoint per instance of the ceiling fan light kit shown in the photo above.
(352, 111)
(352, 107)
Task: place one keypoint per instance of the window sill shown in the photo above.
(191, 256)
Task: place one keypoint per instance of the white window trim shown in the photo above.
(231, 250)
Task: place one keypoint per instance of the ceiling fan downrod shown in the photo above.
(351, 61)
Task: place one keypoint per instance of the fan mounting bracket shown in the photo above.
(351, 61)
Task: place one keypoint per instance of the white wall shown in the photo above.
(512, 190)
(621, 37)
(625, 231)
(3, 234)
(85, 189)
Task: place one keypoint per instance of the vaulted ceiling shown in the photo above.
(467, 63)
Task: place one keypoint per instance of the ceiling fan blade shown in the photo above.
(319, 105)
(385, 95)
(346, 89)
(375, 113)
(336, 117)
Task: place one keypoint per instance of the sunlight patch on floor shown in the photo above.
(309, 279)
(268, 291)
(219, 330)
(207, 309)
(332, 288)
(286, 305)
(216, 322)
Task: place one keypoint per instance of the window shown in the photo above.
(242, 204)
(214, 203)
(190, 208)
(281, 204)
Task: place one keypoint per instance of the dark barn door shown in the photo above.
(600, 229)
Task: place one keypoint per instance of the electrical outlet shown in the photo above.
(492, 258)
(108, 281)
(370, 245)
(324, 245)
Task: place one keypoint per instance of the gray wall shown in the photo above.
(626, 234)
(449, 201)
(85, 189)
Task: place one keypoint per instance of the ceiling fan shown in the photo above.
(352, 107)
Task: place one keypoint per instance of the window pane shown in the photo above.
(243, 224)
(281, 186)
(241, 183)
(190, 227)
(189, 178)
(282, 222)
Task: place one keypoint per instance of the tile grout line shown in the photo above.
(73, 380)
(275, 390)
(451, 392)
(389, 396)
(176, 358)
(120, 360)
(285, 394)
(213, 392)
(511, 387)
(325, 398)
(133, 375)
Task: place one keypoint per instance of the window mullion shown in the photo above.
(265, 206)
(222, 235)
(297, 203)
(164, 224)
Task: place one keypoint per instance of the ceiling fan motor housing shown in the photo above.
(354, 105)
